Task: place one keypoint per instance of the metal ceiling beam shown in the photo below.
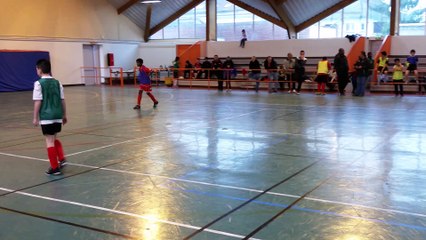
(280, 2)
(394, 17)
(324, 14)
(291, 31)
(258, 13)
(174, 16)
(126, 6)
(147, 23)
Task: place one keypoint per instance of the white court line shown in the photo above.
(157, 134)
(231, 187)
(126, 213)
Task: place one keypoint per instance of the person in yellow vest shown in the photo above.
(323, 69)
(398, 77)
(382, 67)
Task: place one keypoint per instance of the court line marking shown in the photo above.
(150, 136)
(228, 186)
(125, 213)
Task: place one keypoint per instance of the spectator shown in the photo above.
(188, 69)
(382, 69)
(322, 75)
(206, 66)
(254, 74)
(341, 68)
(361, 68)
(176, 65)
(197, 69)
(271, 68)
(243, 38)
(217, 71)
(299, 70)
(228, 67)
(288, 66)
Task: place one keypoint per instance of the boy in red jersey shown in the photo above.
(145, 84)
(50, 114)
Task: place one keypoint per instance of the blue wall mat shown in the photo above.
(17, 69)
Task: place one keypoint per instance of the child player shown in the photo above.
(322, 75)
(412, 65)
(50, 114)
(398, 77)
(382, 68)
(144, 83)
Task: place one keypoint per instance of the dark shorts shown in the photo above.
(51, 129)
(322, 78)
(145, 87)
(380, 69)
(412, 67)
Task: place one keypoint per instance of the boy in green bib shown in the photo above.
(50, 114)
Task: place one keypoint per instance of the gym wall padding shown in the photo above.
(17, 69)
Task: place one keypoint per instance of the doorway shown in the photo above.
(91, 61)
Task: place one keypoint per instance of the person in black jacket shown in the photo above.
(188, 69)
(217, 71)
(206, 66)
(299, 70)
(341, 67)
(228, 68)
(254, 74)
(362, 68)
(272, 69)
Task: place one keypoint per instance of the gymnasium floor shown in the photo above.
(209, 165)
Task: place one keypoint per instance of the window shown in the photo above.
(232, 19)
(190, 25)
(412, 18)
(330, 27)
(378, 22)
(187, 25)
(310, 32)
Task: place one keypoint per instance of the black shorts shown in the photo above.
(382, 69)
(412, 67)
(51, 129)
(322, 78)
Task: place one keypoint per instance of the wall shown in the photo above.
(61, 27)
(279, 48)
(67, 57)
(161, 52)
(401, 45)
(65, 19)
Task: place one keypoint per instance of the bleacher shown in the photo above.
(411, 85)
(241, 80)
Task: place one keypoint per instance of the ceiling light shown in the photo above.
(151, 1)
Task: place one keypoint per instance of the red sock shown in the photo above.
(323, 87)
(53, 157)
(59, 150)
(139, 98)
(152, 97)
(319, 87)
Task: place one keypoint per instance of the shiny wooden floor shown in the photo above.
(217, 165)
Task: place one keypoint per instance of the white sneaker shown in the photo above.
(289, 91)
(294, 90)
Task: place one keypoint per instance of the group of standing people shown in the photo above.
(293, 71)
(292, 68)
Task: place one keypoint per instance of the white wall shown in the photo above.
(124, 54)
(67, 57)
(401, 45)
(277, 48)
(156, 54)
(66, 19)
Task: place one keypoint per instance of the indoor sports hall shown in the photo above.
(211, 161)
(209, 165)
